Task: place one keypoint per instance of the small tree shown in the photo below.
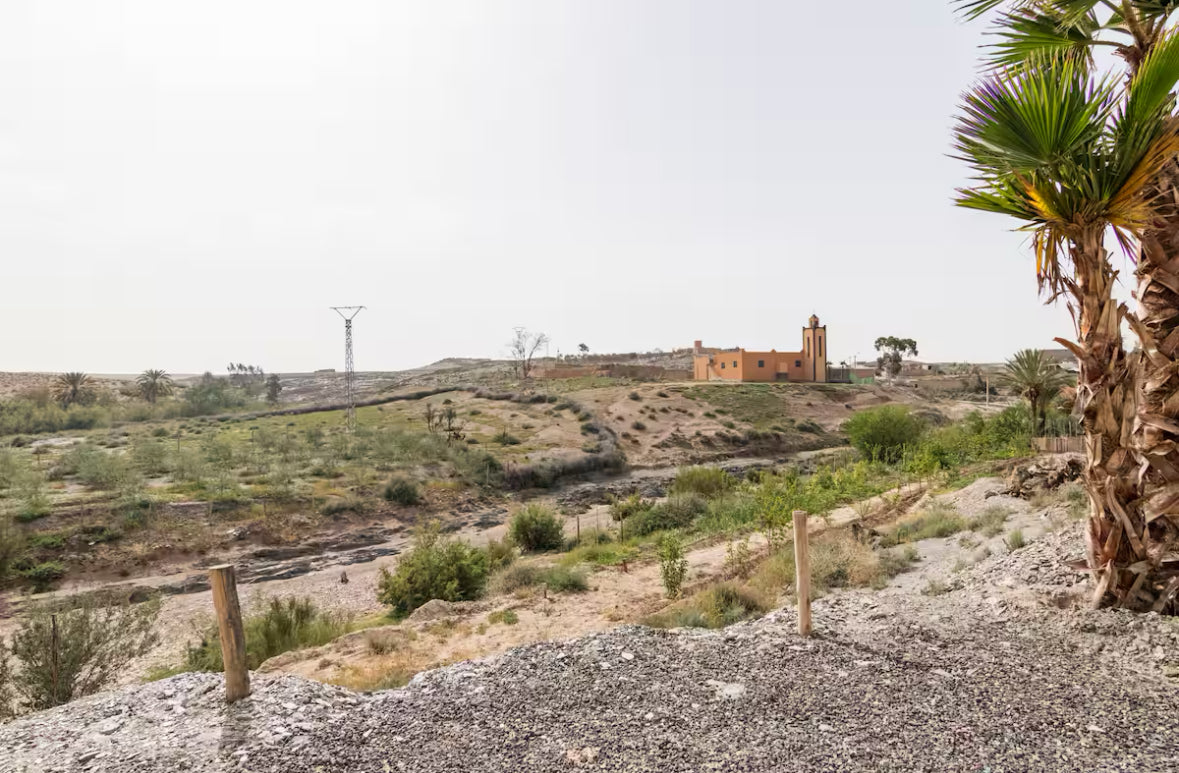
(522, 348)
(273, 389)
(892, 351)
(1037, 379)
(583, 348)
(154, 384)
(69, 654)
(73, 388)
(673, 566)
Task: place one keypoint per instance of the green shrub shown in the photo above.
(1015, 540)
(42, 576)
(708, 482)
(535, 528)
(500, 553)
(402, 491)
(281, 626)
(513, 578)
(50, 541)
(638, 426)
(635, 396)
(673, 566)
(65, 655)
(677, 512)
(564, 578)
(34, 504)
(806, 425)
(100, 469)
(435, 568)
(882, 433)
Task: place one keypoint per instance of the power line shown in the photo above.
(349, 313)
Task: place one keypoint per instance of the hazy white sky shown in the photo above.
(185, 184)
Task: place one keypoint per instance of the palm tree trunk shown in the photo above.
(1107, 401)
(1156, 434)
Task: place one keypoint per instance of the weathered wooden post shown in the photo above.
(233, 638)
(802, 573)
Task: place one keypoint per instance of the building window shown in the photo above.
(722, 366)
(820, 347)
(761, 363)
(808, 347)
(734, 363)
(798, 363)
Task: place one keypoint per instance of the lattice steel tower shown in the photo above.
(349, 313)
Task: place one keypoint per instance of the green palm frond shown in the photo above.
(1021, 121)
(973, 9)
(1028, 36)
(1152, 87)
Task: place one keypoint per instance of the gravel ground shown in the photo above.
(989, 676)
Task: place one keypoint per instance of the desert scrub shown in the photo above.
(714, 607)
(707, 482)
(937, 520)
(504, 616)
(838, 560)
(990, 522)
(677, 512)
(935, 587)
(600, 554)
(1015, 540)
(278, 626)
(402, 491)
(536, 528)
(524, 576)
(435, 568)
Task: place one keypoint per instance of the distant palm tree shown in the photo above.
(154, 384)
(1037, 379)
(73, 388)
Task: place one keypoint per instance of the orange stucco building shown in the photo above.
(810, 364)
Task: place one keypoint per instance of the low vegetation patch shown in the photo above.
(838, 560)
(714, 607)
(402, 491)
(556, 578)
(937, 520)
(280, 625)
(707, 482)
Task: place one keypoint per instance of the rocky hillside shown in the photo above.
(949, 669)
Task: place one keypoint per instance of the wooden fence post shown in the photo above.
(233, 638)
(802, 572)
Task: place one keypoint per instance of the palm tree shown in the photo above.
(154, 384)
(1036, 379)
(1075, 158)
(73, 388)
